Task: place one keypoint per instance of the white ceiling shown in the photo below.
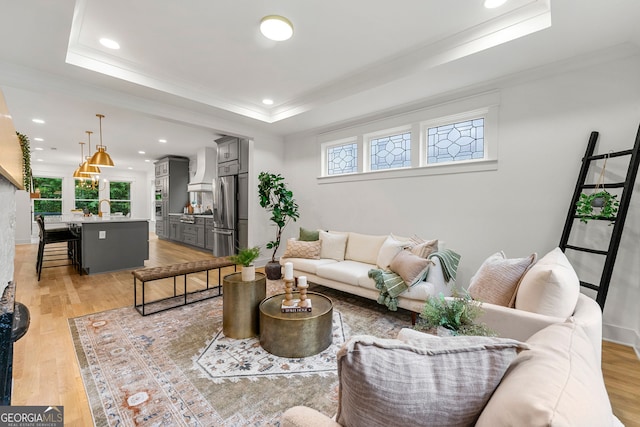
(191, 71)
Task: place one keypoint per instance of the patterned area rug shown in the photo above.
(176, 368)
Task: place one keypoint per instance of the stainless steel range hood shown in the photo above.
(205, 170)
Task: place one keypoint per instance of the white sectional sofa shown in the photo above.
(345, 259)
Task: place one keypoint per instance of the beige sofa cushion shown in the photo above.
(302, 249)
(364, 247)
(410, 267)
(423, 248)
(556, 383)
(333, 245)
(350, 272)
(550, 287)
(422, 382)
(389, 249)
(498, 278)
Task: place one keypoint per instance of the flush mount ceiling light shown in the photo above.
(110, 44)
(492, 4)
(276, 27)
(101, 158)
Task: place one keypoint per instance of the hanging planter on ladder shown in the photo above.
(600, 204)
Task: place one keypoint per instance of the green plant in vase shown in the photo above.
(245, 257)
(606, 203)
(277, 199)
(26, 160)
(452, 316)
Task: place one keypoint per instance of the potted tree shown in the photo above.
(278, 200)
(245, 258)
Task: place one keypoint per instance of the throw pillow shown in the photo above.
(333, 245)
(556, 383)
(298, 249)
(364, 247)
(435, 381)
(497, 279)
(550, 287)
(309, 235)
(389, 249)
(423, 248)
(410, 267)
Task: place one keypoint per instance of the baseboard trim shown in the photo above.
(624, 336)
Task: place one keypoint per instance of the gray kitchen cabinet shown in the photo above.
(228, 149)
(172, 177)
(243, 196)
(244, 156)
(243, 233)
(208, 234)
(200, 232)
(175, 228)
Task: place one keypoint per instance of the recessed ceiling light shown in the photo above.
(39, 148)
(38, 139)
(141, 152)
(267, 101)
(108, 43)
(147, 160)
(39, 121)
(492, 4)
(130, 168)
(164, 141)
(276, 27)
(39, 160)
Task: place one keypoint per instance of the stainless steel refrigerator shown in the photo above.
(225, 215)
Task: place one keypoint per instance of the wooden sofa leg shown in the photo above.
(414, 318)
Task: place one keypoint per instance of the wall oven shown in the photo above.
(159, 209)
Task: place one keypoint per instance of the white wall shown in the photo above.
(520, 208)
(8, 226)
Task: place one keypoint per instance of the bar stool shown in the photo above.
(54, 237)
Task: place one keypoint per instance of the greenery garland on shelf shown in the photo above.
(26, 160)
(455, 315)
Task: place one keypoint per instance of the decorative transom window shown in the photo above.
(390, 152)
(456, 141)
(342, 159)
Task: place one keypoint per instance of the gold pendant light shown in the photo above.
(86, 167)
(101, 158)
(77, 174)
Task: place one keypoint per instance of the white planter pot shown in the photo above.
(249, 273)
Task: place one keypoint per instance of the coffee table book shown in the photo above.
(294, 308)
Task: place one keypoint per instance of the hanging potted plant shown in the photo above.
(278, 200)
(245, 258)
(600, 204)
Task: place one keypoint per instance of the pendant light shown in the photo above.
(86, 167)
(101, 158)
(78, 174)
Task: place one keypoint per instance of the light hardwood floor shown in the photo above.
(45, 367)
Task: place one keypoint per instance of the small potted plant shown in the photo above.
(279, 201)
(452, 316)
(245, 257)
(606, 203)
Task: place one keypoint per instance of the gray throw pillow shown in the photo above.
(434, 381)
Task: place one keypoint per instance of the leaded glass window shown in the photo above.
(390, 152)
(455, 142)
(342, 159)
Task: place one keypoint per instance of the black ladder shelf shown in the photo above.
(625, 198)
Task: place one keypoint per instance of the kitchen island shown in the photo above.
(111, 243)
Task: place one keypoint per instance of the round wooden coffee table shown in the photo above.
(296, 334)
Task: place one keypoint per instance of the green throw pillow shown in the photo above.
(309, 235)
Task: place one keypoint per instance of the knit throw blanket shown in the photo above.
(391, 285)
